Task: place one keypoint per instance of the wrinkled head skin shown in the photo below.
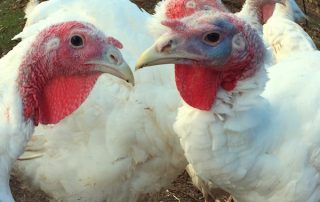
(176, 9)
(61, 68)
(211, 50)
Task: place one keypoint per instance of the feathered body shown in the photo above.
(284, 35)
(15, 131)
(28, 79)
(255, 151)
(258, 140)
(120, 143)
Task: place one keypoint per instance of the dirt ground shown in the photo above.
(181, 189)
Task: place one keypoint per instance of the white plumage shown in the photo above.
(260, 140)
(120, 143)
(29, 72)
(260, 153)
(284, 35)
(15, 131)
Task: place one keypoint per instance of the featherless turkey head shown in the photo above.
(61, 68)
(211, 51)
(175, 9)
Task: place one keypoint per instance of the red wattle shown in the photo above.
(229, 86)
(63, 95)
(198, 86)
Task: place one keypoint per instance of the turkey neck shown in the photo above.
(222, 144)
(32, 77)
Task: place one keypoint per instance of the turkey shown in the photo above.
(257, 12)
(177, 9)
(284, 35)
(120, 143)
(45, 78)
(252, 133)
(253, 11)
(280, 31)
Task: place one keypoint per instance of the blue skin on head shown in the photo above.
(217, 54)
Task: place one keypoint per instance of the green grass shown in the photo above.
(11, 23)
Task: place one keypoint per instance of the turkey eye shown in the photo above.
(212, 38)
(76, 41)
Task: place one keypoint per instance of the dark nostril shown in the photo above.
(167, 47)
(114, 59)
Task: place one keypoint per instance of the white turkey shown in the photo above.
(275, 20)
(120, 143)
(254, 11)
(45, 78)
(284, 35)
(254, 137)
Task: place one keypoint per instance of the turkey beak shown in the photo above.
(121, 71)
(112, 63)
(165, 51)
(151, 57)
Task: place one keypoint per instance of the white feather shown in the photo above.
(270, 151)
(284, 35)
(30, 6)
(15, 130)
